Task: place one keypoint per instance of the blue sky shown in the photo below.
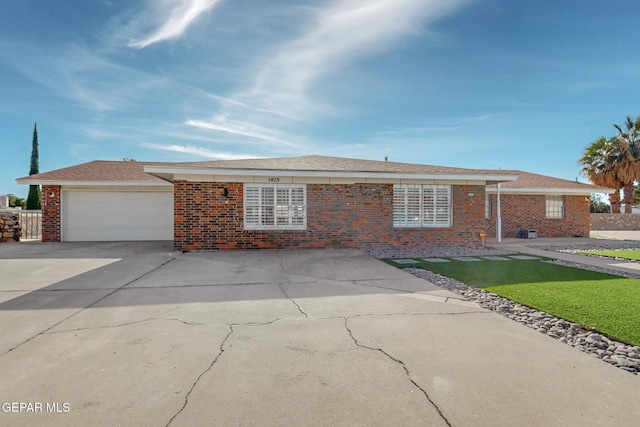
(511, 84)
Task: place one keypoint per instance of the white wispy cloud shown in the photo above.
(171, 17)
(283, 90)
(251, 130)
(78, 74)
(415, 130)
(198, 151)
(437, 125)
(269, 111)
(342, 34)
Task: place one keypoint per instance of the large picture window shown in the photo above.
(416, 205)
(275, 207)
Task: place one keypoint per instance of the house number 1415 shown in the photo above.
(274, 179)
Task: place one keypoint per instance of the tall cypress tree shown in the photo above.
(33, 200)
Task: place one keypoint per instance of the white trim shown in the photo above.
(121, 189)
(316, 180)
(95, 183)
(550, 190)
(498, 214)
(168, 170)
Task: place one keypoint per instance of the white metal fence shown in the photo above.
(30, 224)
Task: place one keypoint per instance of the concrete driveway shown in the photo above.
(134, 334)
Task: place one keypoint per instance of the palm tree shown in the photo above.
(615, 163)
(624, 156)
(597, 168)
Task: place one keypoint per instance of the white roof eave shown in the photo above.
(168, 170)
(27, 181)
(551, 190)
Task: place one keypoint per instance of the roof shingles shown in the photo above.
(527, 180)
(329, 164)
(99, 170)
(133, 171)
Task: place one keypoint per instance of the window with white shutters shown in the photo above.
(417, 205)
(275, 207)
(407, 205)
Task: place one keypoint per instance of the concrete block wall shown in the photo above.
(528, 212)
(355, 216)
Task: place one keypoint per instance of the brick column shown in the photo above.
(51, 213)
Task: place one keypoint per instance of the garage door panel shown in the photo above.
(117, 215)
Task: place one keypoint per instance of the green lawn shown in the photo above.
(609, 304)
(633, 254)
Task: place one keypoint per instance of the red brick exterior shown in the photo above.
(51, 213)
(528, 212)
(355, 216)
(338, 216)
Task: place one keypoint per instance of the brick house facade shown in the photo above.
(524, 206)
(527, 212)
(327, 202)
(355, 216)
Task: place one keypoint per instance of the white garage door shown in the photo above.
(117, 216)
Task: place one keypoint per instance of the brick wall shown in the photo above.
(338, 216)
(603, 221)
(51, 213)
(528, 212)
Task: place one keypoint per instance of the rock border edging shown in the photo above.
(607, 349)
(623, 356)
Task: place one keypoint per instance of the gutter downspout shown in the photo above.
(498, 217)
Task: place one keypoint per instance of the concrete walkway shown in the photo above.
(631, 235)
(542, 247)
(133, 334)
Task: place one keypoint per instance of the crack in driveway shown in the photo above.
(195, 383)
(404, 366)
(277, 254)
(133, 322)
(265, 323)
(174, 319)
(293, 301)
